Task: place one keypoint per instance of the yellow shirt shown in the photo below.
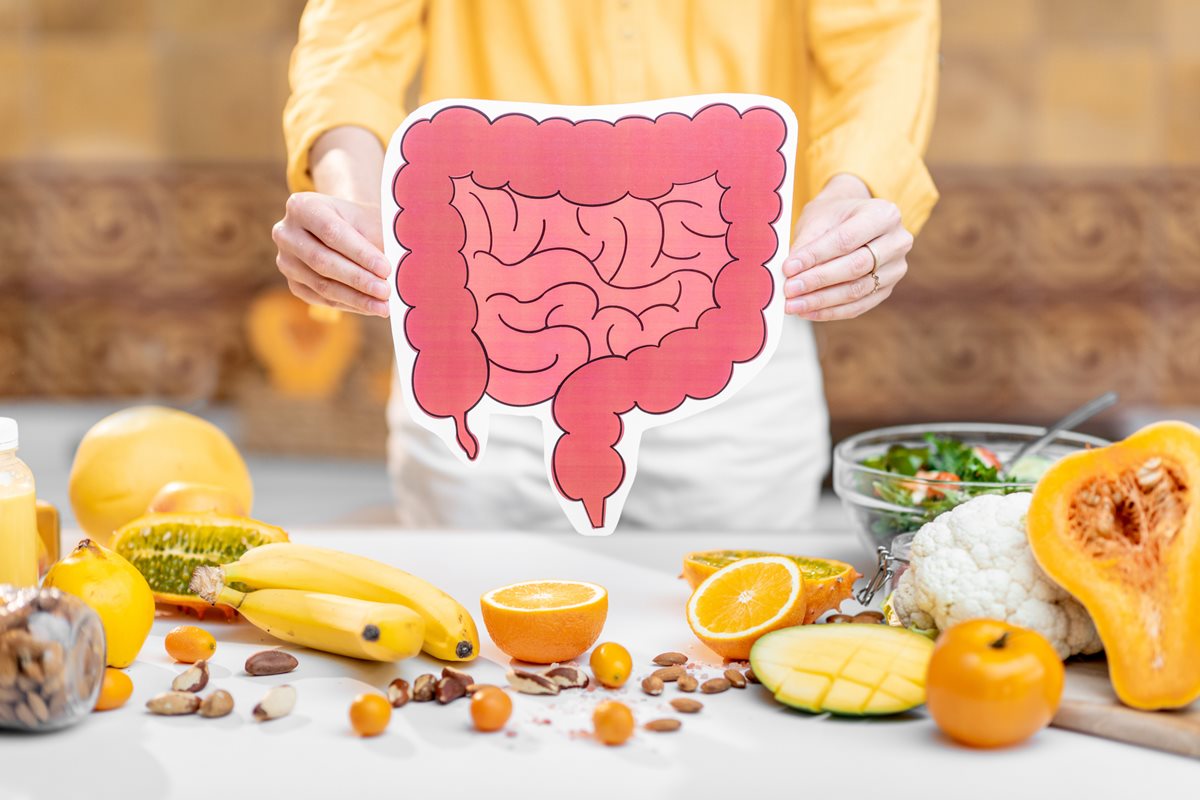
(861, 75)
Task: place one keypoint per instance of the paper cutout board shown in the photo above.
(606, 269)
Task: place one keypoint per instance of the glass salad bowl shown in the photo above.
(891, 495)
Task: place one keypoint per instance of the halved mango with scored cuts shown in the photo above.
(848, 669)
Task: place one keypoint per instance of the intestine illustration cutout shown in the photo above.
(606, 269)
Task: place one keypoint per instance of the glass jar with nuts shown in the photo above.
(51, 659)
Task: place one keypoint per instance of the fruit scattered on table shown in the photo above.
(115, 590)
(1119, 528)
(827, 583)
(114, 691)
(547, 621)
(490, 708)
(738, 603)
(270, 662)
(975, 561)
(277, 702)
(189, 644)
(450, 633)
(850, 669)
(611, 664)
(335, 624)
(370, 714)
(613, 722)
(167, 548)
(992, 684)
(126, 458)
(188, 497)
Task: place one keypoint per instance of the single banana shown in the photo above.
(450, 632)
(341, 625)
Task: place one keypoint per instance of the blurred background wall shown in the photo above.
(141, 170)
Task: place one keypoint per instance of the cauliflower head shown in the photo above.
(975, 561)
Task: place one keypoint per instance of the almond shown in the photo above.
(714, 686)
(686, 705)
(687, 683)
(736, 679)
(751, 677)
(663, 725)
(652, 685)
(668, 674)
(670, 659)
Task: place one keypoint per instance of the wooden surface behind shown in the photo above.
(1089, 706)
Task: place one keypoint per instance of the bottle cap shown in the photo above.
(8, 433)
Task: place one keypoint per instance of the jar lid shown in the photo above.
(8, 433)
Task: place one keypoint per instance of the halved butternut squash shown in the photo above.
(1119, 528)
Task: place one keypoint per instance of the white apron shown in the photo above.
(755, 462)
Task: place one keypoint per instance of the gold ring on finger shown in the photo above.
(874, 258)
(875, 275)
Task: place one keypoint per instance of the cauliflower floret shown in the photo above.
(975, 561)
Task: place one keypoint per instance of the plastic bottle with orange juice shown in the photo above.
(18, 513)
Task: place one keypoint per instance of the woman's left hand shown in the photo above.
(850, 252)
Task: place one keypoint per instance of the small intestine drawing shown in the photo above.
(607, 269)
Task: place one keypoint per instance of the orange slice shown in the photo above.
(741, 602)
(826, 582)
(545, 621)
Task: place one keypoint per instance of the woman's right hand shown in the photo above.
(331, 252)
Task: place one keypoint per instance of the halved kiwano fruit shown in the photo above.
(826, 582)
(848, 669)
(166, 548)
(1119, 528)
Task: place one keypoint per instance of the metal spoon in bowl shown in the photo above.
(1084, 412)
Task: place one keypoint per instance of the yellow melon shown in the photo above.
(125, 459)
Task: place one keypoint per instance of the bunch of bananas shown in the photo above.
(341, 603)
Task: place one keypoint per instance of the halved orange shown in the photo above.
(545, 621)
(826, 582)
(741, 602)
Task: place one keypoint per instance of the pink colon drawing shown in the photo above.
(594, 267)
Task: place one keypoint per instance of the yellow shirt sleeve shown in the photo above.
(352, 64)
(872, 98)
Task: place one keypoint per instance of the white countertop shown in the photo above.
(742, 741)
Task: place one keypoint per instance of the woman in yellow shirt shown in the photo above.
(861, 76)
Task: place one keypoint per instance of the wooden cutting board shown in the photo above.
(1089, 706)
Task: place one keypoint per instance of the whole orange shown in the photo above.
(992, 684)
(189, 644)
(613, 722)
(611, 664)
(490, 708)
(370, 714)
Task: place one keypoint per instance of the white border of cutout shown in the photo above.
(636, 422)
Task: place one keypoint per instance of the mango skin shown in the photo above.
(126, 458)
(847, 669)
(115, 590)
